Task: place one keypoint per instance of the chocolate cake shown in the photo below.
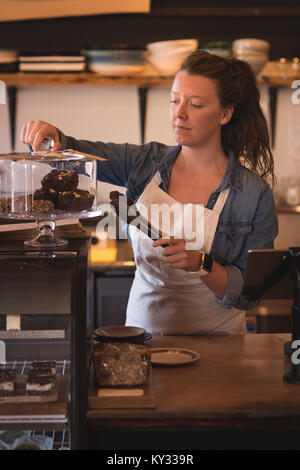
(42, 207)
(5, 205)
(118, 364)
(7, 382)
(44, 367)
(46, 195)
(40, 383)
(26, 204)
(60, 180)
(78, 200)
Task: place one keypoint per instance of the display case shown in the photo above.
(43, 312)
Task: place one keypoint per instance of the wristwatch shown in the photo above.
(206, 266)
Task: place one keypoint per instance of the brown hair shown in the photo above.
(246, 134)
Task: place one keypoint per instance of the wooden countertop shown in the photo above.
(236, 383)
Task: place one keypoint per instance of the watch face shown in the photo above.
(207, 263)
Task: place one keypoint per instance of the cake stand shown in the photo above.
(45, 187)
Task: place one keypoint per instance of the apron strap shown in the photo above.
(220, 203)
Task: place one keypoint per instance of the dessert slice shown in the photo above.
(7, 382)
(44, 367)
(40, 383)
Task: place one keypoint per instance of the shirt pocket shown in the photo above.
(231, 240)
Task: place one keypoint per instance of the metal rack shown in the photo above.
(61, 437)
(67, 415)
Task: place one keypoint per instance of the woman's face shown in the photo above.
(195, 110)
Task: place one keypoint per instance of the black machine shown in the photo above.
(275, 274)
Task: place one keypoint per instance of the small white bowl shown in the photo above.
(257, 64)
(236, 51)
(172, 52)
(115, 70)
(167, 67)
(251, 43)
(177, 44)
(8, 55)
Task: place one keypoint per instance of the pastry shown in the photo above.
(26, 205)
(46, 194)
(60, 180)
(78, 200)
(42, 207)
(7, 382)
(39, 383)
(44, 366)
(118, 364)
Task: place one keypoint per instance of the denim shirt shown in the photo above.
(247, 221)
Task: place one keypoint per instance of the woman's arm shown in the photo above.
(178, 257)
(262, 236)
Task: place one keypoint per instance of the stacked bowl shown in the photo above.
(115, 62)
(220, 48)
(253, 51)
(9, 60)
(167, 56)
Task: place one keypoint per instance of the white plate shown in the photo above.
(116, 70)
(173, 356)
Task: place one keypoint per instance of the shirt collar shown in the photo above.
(232, 176)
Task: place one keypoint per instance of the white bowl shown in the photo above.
(237, 51)
(8, 55)
(181, 51)
(177, 44)
(256, 63)
(116, 70)
(166, 67)
(251, 43)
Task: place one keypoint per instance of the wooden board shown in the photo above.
(118, 397)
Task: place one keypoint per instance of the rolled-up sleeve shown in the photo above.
(265, 230)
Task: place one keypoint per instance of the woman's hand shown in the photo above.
(177, 256)
(191, 260)
(34, 132)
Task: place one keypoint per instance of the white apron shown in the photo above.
(168, 301)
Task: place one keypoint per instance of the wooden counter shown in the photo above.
(237, 383)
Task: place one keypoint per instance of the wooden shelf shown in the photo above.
(27, 79)
(149, 78)
(285, 209)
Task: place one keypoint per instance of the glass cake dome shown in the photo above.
(45, 186)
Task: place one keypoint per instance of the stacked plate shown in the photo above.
(115, 62)
(121, 334)
(253, 51)
(8, 60)
(167, 56)
(52, 63)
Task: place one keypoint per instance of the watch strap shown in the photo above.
(206, 266)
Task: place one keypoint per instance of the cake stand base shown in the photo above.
(45, 238)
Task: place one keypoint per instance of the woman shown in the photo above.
(220, 130)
